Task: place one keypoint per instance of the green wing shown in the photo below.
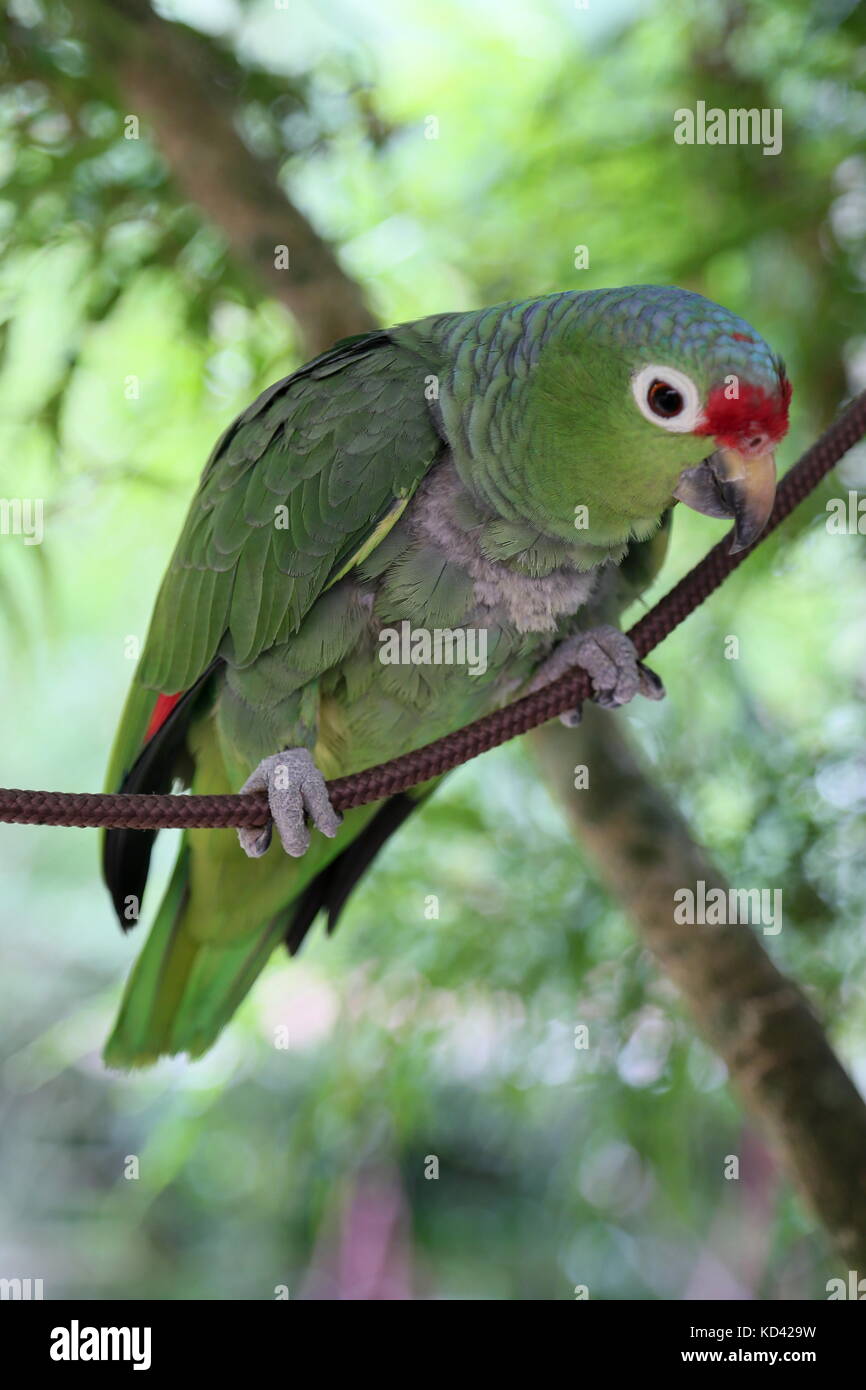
(299, 489)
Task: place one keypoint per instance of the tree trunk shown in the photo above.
(758, 1021)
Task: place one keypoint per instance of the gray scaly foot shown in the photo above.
(296, 789)
(612, 664)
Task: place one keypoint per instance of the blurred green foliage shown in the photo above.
(129, 339)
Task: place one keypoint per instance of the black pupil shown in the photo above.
(664, 399)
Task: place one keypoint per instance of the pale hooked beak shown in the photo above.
(731, 484)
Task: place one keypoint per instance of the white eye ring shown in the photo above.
(691, 414)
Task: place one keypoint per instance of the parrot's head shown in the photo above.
(689, 400)
(732, 393)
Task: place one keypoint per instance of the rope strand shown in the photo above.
(149, 811)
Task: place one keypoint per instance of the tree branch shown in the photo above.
(163, 72)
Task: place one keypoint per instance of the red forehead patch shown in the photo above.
(754, 411)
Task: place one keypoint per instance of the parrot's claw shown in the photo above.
(612, 664)
(296, 789)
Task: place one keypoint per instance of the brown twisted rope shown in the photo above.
(154, 812)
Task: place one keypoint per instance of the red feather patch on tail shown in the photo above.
(161, 710)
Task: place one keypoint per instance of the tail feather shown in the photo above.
(329, 891)
(144, 759)
(182, 991)
(223, 915)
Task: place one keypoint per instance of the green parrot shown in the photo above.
(498, 482)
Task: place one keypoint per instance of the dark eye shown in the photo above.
(664, 399)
